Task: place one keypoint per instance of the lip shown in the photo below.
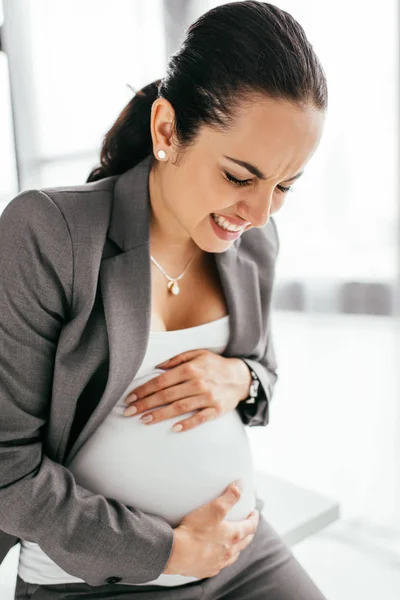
(234, 221)
(223, 233)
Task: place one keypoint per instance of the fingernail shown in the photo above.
(146, 419)
(130, 411)
(130, 398)
(177, 427)
(238, 484)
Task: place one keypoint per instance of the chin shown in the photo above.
(209, 242)
(216, 248)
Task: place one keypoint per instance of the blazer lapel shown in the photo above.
(239, 279)
(125, 281)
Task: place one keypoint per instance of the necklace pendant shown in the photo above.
(173, 287)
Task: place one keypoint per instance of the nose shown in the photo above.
(260, 211)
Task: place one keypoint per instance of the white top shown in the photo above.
(153, 468)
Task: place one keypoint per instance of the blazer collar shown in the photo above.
(130, 213)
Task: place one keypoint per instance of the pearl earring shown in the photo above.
(161, 154)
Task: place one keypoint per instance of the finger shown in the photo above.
(156, 384)
(179, 392)
(255, 518)
(183, 357)
(251, 523)
(232, 560)
(207, 414)
(175, 409)
(244, 528)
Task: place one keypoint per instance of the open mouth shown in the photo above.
(222, 232)
(225, 225)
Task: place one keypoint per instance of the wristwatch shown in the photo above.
(253, 390)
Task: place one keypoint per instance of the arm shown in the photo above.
(86, 534)
(264, 365)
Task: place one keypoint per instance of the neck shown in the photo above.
(167, 237)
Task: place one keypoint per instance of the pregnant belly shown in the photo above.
(165, 473)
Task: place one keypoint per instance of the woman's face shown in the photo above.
(276, 139)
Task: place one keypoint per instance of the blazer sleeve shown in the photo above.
(86, 534)
(264, 365)
(258, 412)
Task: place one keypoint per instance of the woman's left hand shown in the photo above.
(195, 380)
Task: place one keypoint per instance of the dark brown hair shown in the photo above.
(230, 53)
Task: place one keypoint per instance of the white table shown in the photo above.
(294, 512)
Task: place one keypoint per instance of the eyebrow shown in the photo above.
(253, 169)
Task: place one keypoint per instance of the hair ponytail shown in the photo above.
(129, 139)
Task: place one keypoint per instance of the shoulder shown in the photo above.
(75, 216)
(84, 209)
(104, 186)
(33, 211)
(35, 249)
(71, 198)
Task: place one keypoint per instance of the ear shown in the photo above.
(161, 125)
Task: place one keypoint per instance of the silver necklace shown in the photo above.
(173, 286)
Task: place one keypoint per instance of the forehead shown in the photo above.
(275, 135)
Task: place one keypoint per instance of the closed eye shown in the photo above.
(244, 182)
(237, 181)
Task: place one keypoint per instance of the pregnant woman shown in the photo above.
(146, 292)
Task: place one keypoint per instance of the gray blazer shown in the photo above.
(74, 323)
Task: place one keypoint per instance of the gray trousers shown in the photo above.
(265, 570)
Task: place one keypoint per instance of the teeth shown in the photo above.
(225, 224)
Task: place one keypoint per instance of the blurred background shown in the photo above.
(65, 72)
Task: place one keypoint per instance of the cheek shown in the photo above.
(220, 196)
(200, 193)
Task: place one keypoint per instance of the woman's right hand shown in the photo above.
(205, 543)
